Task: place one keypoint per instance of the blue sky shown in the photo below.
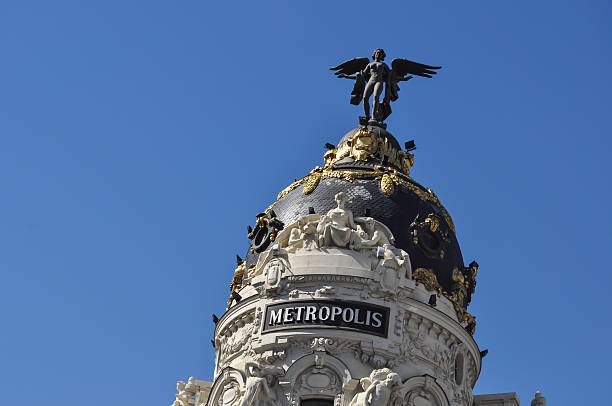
(138, 139)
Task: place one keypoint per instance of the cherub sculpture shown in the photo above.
(379, 388)
(370, 77)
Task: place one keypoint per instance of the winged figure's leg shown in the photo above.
(366, 98)
(378, 87)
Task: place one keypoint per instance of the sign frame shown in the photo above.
(338, 321)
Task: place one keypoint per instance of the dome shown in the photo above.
(370, 167)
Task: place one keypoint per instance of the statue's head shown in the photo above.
(341, 199)
(379, 54)
(393, 379)
(365, 383)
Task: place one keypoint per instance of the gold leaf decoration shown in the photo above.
(386, 185)
(378, 173)
(428, 278)
(312, 181)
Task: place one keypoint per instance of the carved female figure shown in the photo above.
(258, 391)
(337, 227)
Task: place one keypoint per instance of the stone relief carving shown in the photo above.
(192, 393)
(186, 392)
(420, 397)
(332, 346)
(226, 390)
(359, 349)
(274, 272)
(379, 389)
(271, 356)
(235, 339)
(303, 235)
(454, 369)
(230, 394)
(426, 340)
(414, 346)
(463, 396)
(325, 291)
(337, 228)
(318, 379)
(260, 386)
(257, 320)
(423, 391)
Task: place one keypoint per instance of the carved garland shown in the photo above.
(236, 338)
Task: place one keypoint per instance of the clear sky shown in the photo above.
(138, 139)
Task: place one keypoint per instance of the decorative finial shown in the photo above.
(538, 400)
(370, 77)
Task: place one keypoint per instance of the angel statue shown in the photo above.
(371, 76)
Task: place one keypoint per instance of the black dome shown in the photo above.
(421, 225)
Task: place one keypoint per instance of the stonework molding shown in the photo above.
(274, 273)
(359, 349)
(423, 391)
(317, 375)
(228, 388)
(497, 399)
(236, 338)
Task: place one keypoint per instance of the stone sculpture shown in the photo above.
(303, 235)
(379, 388)
(186, 391)
(371, 77)
(259, 387)
(274, 272)
(338, 228)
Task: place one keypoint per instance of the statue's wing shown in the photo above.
(402, 67)
(351, 67)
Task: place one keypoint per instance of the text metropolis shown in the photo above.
(353, 315)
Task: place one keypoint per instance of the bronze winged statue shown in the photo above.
(370, 77)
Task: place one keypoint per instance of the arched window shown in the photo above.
(459, 368)
(317, 402)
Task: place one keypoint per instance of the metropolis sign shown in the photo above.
(364, 317)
